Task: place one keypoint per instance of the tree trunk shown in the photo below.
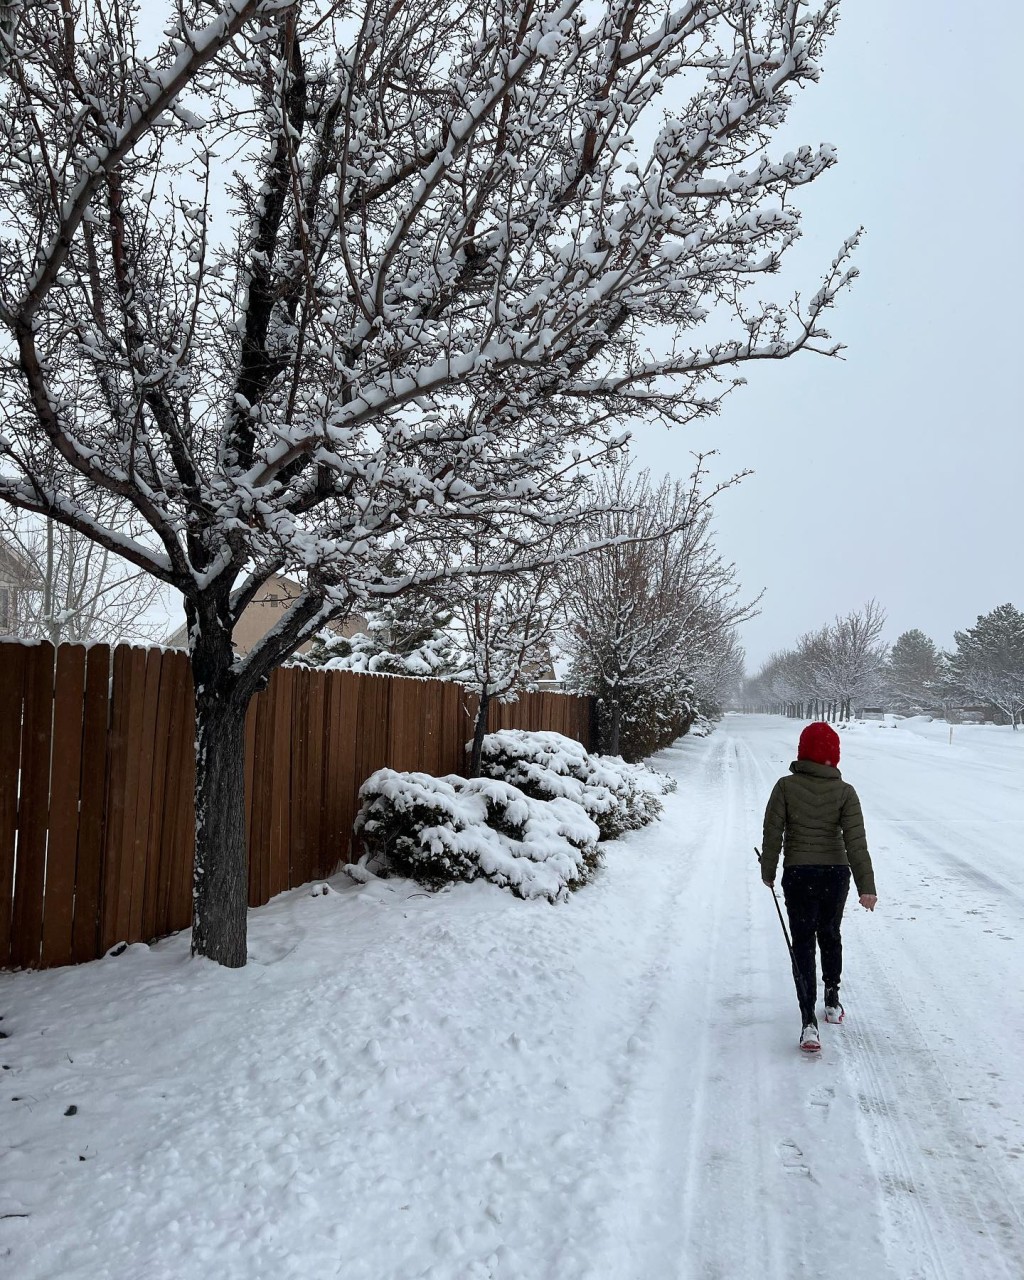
(220, 878)
(595, 745)
(613, 730)
(479, 733)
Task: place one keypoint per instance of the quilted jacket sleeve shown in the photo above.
(851, 822)
(774, 827)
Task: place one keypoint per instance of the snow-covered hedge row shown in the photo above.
(438, 830)
(617, 796)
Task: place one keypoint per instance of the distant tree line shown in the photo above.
(845, 667)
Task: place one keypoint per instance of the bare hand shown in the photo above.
(868, 900)
(769, 883)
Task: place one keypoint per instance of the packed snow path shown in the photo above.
(463, 1086)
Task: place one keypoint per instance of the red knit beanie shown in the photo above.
(819, 742)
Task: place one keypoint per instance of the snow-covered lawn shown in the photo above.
(467, 1085)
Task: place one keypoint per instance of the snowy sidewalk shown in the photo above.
(402, 1085)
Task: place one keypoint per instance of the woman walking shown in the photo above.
(814, 820)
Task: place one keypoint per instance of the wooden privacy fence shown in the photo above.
(97, 764)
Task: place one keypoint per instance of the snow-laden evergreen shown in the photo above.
(442, 830)
(617, 796)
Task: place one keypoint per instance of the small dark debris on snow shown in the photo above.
(72, 1110)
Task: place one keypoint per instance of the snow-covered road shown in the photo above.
(462, 1086)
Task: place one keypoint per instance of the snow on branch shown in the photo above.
(322, 289)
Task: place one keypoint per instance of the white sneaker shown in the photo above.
(810, 1041)
(834, 1012)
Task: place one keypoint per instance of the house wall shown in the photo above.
(264, 612)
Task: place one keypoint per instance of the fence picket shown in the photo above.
(89, 863)
(260, 800)
(341, 780)
(298, 784)
(154, 912)
(33, 807)
(185, 823)
(113, 827)
(12, 696)
(281, 686)
(65, 789)
(318, 864)
(149, 681)
(250, 798)
(131, 689)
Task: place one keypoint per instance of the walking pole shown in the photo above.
(801, 990)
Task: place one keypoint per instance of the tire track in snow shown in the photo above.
(709, 1246)
(608, 1207)
(707, 1154)
(625, 1219)
(938, 1187)
(926, 838)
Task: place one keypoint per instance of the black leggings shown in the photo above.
(815, 898)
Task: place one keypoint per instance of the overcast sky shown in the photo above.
(896, 473)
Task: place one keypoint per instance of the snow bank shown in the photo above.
(440, 830)
(617, 796)
(939, 737)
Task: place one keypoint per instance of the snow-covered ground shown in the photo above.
(466, 1085)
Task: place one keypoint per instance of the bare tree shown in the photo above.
(844, 663)
(648, 610)
(506, 623)
(778, 687)
(84, 592)
(832, 671)
(315, 285)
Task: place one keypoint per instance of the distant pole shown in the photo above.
(950, 735)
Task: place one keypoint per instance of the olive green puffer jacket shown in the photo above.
(815, 817)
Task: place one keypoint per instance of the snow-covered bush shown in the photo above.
(439, 830)
(407, 637)
(617, 796)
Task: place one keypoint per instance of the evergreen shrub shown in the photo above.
(441, 830)
(617, 796)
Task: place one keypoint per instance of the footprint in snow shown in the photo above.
(822, 1097)
(792, 1158)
